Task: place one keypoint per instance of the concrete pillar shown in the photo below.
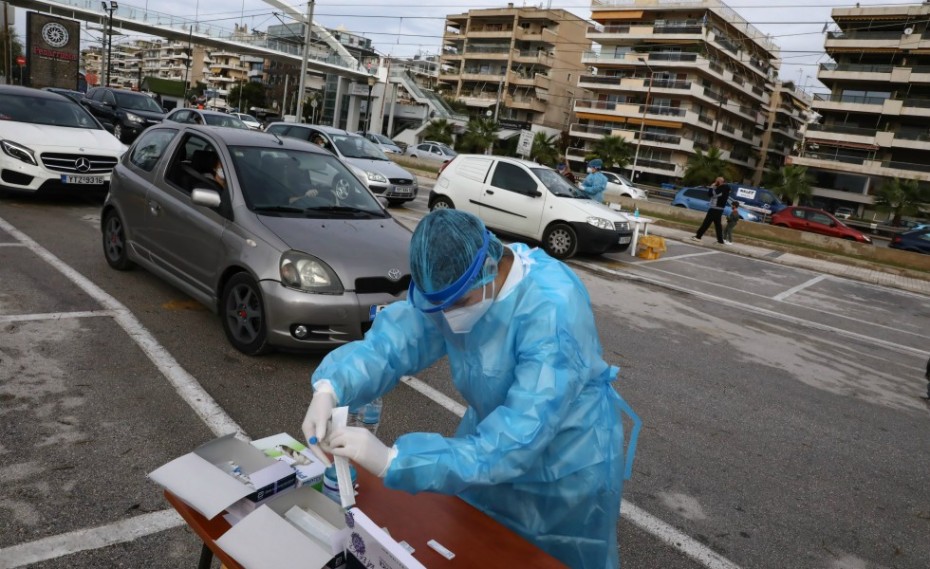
(337, 109)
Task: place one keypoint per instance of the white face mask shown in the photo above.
(590, 170)
(462, 320)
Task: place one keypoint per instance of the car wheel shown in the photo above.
(114, 242)
(441, 202)
(560, 241)
(118, 132)
(243, 313)
(341, 187)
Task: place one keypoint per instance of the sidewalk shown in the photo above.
(883, 278)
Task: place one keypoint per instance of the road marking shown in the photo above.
(677, 258)
(629, 512)
(11, 245)
(782, 296)
(184, 383)
(598, 270)
(53, 316)
(86, 539)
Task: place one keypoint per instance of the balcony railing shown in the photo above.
(591, 129)
(678, 29)
(906, 166)
(487, 50)
(669, 84)
(608, 29)
(837, 156)
(728, 128)
(864, 35)
(839, 98)
(919, 103)
(594, 104)
(671, 56)
(657, 164)
(921, 136)
(727, 44)
(601, 79)
(705, 119)
(841, 129)
(857, 67)
(663, 110)
(661, 137)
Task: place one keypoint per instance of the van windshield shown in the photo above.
(557, 184)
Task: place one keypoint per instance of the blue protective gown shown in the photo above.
(594, 185)
(540, 448)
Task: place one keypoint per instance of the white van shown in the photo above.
(524, 199)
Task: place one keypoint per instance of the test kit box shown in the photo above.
(208, 481)
(373, 547)
(289, 450)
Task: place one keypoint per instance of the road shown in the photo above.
(782, 420)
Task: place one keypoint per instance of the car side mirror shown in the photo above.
(206, 198)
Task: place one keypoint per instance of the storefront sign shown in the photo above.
(53, 51)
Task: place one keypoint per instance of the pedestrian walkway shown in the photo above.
(836, 268)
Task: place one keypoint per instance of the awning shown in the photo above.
(480, 103)
(505, 134)
(597, 117)
(617, 15)
(653, 122)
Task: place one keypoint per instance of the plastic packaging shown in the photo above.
(636, 212)
(331, 484)
(370, 415)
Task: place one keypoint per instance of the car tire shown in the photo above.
(560, 241)
(114, 242)
(341, 187)
(119, 133)
(243, 312)
(441, 202)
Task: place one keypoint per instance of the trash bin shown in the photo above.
(651, 247)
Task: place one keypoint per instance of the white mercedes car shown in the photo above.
(50, 143)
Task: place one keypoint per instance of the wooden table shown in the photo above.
(474, 538)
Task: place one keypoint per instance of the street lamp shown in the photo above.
(109, 8)
(642, 125)
(371, 83)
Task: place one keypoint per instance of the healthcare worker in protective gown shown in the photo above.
(595, 183)
(540, 448)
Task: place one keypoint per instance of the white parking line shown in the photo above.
(11, 244)
(4, 318)
(677, 257)
(782, 296)
(629, 512)
(87, 539)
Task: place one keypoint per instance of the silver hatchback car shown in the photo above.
(274, 234)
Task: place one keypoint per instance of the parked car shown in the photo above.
(817, 221)
(386, 145)
(916, 240)
(529, 201)
(759, 201)
(435, 151)
(844, 212)
(698, 198)
(126, 113)
(200, 116)
(249, 120)
(620, 186)
(75, 96)
(384, 176)
(51, 143)
(286, 258)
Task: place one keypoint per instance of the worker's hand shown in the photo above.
(362, 447)
(317, 420)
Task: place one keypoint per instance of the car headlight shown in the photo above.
(307, 273)
(376, 177)
(19, 152)
(132, 117)
(600, 223)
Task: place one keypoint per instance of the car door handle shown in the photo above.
(489, 192)
(154, 208)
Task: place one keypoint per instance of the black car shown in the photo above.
(124, 112)
(917, 241)
(76, 96)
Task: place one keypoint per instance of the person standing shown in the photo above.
(732, 220)
(719, 195)
(595, 183)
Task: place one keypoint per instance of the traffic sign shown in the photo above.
(20, 60)
(525, 145)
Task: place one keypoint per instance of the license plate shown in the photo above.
(624, 240)
(403, 190)
(93, 180)
(374, 310)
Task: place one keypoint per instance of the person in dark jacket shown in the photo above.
(719, 195)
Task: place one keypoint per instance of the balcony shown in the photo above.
(544, 35)
(863, 39)
(533, 56)
(678, 28)
(669, 84)
(480, 52)
(600, 80)
(841, 129)
(487, 76)
(525, 103)
(539, 80)
(490, 32)
(589, 131)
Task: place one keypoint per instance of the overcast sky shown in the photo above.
(406, 27)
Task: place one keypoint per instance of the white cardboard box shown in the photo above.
(202, 480)
(373, 547)
(287, 449)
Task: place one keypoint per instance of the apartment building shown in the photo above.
(133, 61)
(788, 114)
(875, 122)
(520, 63)
(673, 78)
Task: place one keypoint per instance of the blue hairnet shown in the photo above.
(444, 245)
(596, 163)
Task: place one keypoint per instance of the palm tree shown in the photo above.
(544, 149)
(613, 150)
(439, 130)
(900, 197)
(480, 134)
(792, 182)
(703, 168)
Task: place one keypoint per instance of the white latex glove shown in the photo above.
(317, 419)
(363, 448)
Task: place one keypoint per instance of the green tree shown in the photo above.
(544, 149)
(703, 168)
(900, 197)
(613, 150)
(792, 182)
(246, 95)
(439, 130)
(480, 134)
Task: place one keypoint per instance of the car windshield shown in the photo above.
(557, 184)
(41, 110)
(248, 118)
(624, 180)
(383, 139)
(354, 146)
(224, 120)
(287, 182)
(135, 102)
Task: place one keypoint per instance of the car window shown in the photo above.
(93, 94)
(46, 111)
(280, 129)
(556, 183)
(137, 102)
(383, 139)
(193, 164)
(799, 213)
(447, 151)
(292, 182)
(108, 98)
(355, 146)
(301, 133)
(697, 193)
(424, 147)
(150, 147)
(611, 177)
(224, 120)
(180, 116)
(819, 218)
(513, 178)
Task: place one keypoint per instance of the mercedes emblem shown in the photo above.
(82, 164)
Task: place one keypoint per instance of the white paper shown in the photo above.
(199, 484)
(264, 540)
(270, 474)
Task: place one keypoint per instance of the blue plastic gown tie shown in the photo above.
(630, 453)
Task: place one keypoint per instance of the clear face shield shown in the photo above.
(457, 308)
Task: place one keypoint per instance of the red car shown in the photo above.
(817, 221)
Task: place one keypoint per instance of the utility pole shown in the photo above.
(642, 124)
(284, 100)
(187, 63)
(308, 34)
(110, 8)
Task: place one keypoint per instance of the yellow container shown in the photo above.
(651, 247)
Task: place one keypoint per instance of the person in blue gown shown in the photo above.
(540, 447)
(595, 182)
